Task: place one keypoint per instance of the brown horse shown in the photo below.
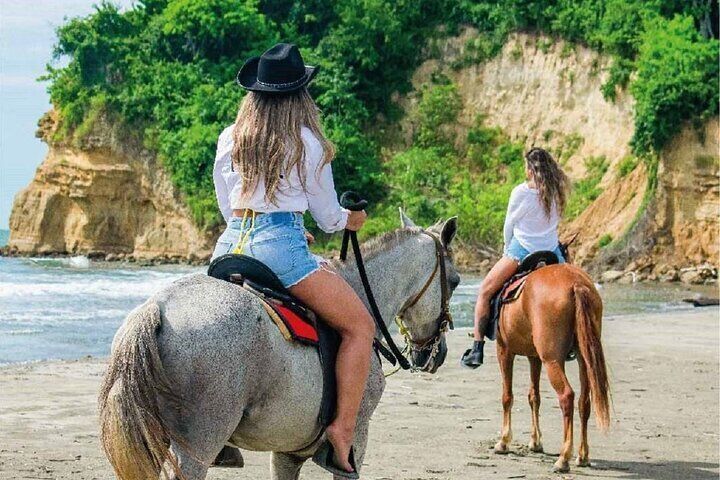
(559, 312)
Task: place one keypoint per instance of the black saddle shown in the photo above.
(247, 270)
(529, 264)
(250, 272)
(537, 260)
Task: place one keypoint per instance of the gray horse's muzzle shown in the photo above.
(422, 357)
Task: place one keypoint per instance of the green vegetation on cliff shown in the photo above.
(166, 68)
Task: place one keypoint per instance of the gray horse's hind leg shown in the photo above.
(191, 467)
(285, 466)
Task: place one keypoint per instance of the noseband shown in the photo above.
(443, 320)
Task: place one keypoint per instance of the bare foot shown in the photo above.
(341, 440)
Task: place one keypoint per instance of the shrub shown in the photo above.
(677, 79)
(627, 165)
(605, 240)
(585, 191)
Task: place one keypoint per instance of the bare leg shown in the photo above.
(505, 359)
(583, 459)
(284, 466)
(535, 444)
(566, 397)
(337, 303)
(495, 279)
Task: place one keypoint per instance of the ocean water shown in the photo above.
(71, 307)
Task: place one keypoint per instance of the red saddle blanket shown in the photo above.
(513, 289)
(293, 325)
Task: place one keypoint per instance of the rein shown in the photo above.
(444, 319)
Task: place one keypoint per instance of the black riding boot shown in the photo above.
(473, 357)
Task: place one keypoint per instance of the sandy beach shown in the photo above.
(665, 424)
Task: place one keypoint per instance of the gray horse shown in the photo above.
(201, 362)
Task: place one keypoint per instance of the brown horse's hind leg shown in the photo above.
(535, 444)
(566, 397)
(505, 359)
(583, 459)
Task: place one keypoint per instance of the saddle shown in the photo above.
(295, 321)
(513, 288)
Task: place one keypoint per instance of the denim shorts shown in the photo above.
(278, 240)
(518, 253)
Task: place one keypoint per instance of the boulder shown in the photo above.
(693, 277)
(611, 276)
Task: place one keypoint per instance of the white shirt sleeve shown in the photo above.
(223, 159)
(515, 211)
(322, 198)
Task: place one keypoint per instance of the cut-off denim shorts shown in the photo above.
(518, 253)
(278, 240)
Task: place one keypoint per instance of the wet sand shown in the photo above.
(665, 420)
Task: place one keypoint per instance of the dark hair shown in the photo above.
(551, 181)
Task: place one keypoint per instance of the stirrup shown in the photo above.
(325, 458)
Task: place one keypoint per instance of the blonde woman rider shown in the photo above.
(271, 166)
(531, 225)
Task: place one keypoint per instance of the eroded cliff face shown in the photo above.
(547, 93)
(107, 196)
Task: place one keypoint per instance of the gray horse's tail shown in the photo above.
(133, 433)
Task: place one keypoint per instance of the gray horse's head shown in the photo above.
(425, 320)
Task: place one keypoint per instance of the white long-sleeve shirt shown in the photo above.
(527, 222)
(318, 196)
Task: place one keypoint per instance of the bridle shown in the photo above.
(443, 320)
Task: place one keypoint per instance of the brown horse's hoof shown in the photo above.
(536, 447)
(561, 466)
(501, 449)
(229, 457)
(583, 462)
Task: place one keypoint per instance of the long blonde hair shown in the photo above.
(550, 180)
(267, 141)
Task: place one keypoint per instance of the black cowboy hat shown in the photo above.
(279, 70)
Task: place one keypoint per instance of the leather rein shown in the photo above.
(444, 320)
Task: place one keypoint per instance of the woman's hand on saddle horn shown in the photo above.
(356, 220)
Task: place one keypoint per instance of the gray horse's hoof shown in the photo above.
(229, 457)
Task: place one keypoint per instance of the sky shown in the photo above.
(27, 36)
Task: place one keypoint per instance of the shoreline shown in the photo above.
(437, 427)
(707, 274)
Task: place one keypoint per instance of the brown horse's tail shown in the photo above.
(587, 330)
(134, 436)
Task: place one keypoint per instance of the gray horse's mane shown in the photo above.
(382, 243)
(388, 240)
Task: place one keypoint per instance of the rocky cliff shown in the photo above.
(106, 196)
(547, 92)
(109, 195)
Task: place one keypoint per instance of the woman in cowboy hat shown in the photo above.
(271, 166)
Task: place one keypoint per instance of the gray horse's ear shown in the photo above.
(405, 221)
(448, 231)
